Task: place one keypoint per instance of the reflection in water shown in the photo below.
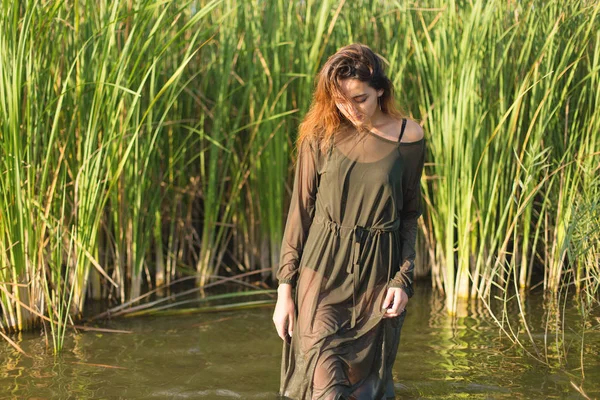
(237, 355)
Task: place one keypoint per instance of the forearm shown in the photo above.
(294, 238)
(300, 215)
(405, 275)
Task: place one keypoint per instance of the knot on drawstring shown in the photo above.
(333, 227)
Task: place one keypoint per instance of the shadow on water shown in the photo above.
(236, 354)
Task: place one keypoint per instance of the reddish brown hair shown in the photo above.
(323, 118)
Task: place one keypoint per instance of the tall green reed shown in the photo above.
(78, 121)
(499, 78)
(153, 142)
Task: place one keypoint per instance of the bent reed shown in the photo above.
(144, 142)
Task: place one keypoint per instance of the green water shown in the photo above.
(236, 355)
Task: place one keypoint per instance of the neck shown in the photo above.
(378, 118)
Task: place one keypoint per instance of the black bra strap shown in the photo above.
(402, 131)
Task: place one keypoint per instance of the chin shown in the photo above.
(363, 125)
(360, 123)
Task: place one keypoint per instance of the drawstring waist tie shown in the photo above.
(358, 234)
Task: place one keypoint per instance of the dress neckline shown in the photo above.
(382, 138)
(359, 162)
(395, 141)
(415, 142)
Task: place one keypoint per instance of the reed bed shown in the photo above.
(514, 139)
(144, 142)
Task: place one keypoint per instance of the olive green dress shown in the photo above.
(350, 234)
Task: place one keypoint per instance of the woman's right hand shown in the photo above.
(283, 316)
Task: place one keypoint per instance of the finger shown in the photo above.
(388, 299)
(403, 301)
(393, 311)
(291, 326)
(402, 305)
(282, 328)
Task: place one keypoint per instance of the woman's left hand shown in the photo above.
(397, 298)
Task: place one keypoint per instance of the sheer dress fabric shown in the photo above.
(349, 235)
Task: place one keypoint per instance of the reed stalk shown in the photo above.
(144, 142)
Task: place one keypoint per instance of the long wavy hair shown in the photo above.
(323, 118)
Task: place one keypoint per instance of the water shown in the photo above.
(236, 355)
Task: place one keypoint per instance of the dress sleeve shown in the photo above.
(412, 209)
(300, 214)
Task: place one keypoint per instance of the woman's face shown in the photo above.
(364, 107)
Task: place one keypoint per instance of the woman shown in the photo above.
(347, 254)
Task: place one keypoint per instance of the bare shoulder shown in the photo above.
(413, 132)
